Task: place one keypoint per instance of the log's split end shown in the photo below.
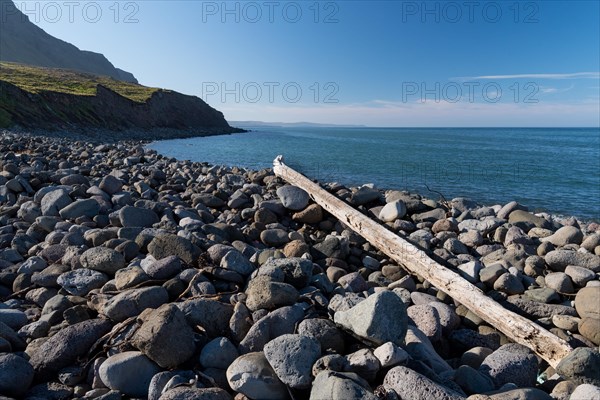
(519, 329)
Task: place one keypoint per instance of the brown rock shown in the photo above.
(590, 328)
(312, 214)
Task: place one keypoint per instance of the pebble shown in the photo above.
(586, 392)
(218, 353)
(292, 357)
(252, 375)
(511, 364)
(165, 336)
(264, 293)
(129, 372)
(63, 349)
(293, 197)
(581, 365)
(410, 385)
(102, 259)
(132, 302)
(332, 385)
(380, 318)
(393, 211)
(79, 282)
(16, 375)
(587, 301)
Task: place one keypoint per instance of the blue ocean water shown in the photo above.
(547, 169)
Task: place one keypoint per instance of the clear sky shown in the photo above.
(377, 63)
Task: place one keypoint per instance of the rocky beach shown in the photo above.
(127, 274)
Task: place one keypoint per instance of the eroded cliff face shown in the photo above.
(107, 110)
(24, 42)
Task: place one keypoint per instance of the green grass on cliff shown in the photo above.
(37, 79)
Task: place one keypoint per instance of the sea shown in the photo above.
(554, 170)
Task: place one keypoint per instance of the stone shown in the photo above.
(80, 208)
(558, 260)
(55, 201)
(325, 331)
(390, 355)
(102, 259)
(111, 184)
(296, 248)
(526, 220)
(590, 328)
(470, 271)
(411, 385)
(292, 357)
(333, 385)
(586, 392)
(293, 197)
(455, 246)
(191, 393)
(165, 337)
(15, 319)
(164, 268)
(475, 356)
(587, 302)
(236, 261)
(427, 319)
(297, 271)
(509, 284)
(212, 315)
(313, 214)
(380, 318)
(581, 365)
(560, 282)
(472, 381)
(565, 235)
(276, 323)
(218, 353)
(63, 349)
(252, 375)
(331, 247)
(364, 363)
(420, 349)
(264, 293)
(137, 216)
(429, 216)
(274, 237)
(543, 295)
(165, 245)
(393, 211)
(129, 372)
(129, 277)
(364, 195)
(511, 364)
(16, 375)
(579, 275)
(79, 282)
(132, 302)
(444, 225)
(507, 209)
(566, 322)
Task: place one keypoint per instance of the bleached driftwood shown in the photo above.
(414, 260)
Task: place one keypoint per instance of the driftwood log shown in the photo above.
(519, 329)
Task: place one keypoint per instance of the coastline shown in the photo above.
(97, 135)
(95, 234)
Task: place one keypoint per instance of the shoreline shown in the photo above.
(99, 136)
(172, 269)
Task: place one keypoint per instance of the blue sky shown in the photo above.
(378, 63)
